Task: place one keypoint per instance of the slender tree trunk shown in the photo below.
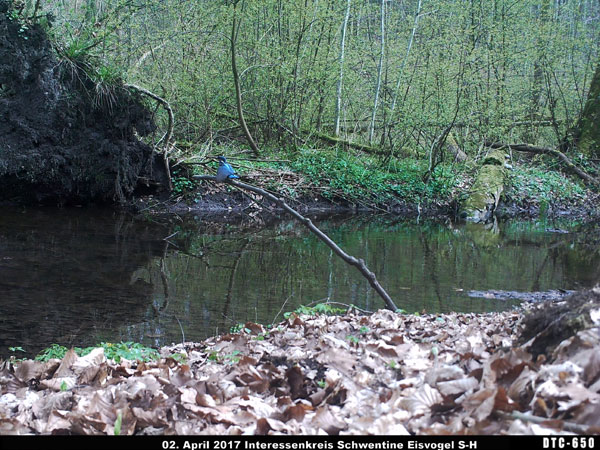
(541, 14)
(401, 70)
(338, 104)
(379, 72)
(236, 82)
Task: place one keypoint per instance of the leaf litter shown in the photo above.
(453, 373)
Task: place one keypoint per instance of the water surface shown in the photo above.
(81, 276)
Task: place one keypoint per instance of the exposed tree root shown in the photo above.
(166, 138)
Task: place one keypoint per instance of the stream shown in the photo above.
(81, 276)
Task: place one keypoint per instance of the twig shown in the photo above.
(181, 328)
(170, 236)
(280, 309)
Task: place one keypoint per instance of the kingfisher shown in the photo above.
(225, 170)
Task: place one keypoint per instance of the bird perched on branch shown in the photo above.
(225, 170)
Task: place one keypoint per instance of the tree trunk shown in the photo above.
(587, 131)
(338, 104)
(236, 82)
(379, 72)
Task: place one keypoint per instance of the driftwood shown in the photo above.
(548, 151)
(356, 262)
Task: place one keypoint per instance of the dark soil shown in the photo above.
(61, 139)
(548, 326)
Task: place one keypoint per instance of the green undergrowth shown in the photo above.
(344, 175)
(526, 185)
(115, 351)
(364, 180)
(320, 308)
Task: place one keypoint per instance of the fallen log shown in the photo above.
(547, 151)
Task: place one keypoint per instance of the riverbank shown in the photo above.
(334, 182)
(385, 373)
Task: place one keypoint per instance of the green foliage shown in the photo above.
(118, 423)
(494, 69)
(476, 60)
(54, 351)
(237, 328)
(546, 187)
(182, 184)
(122, 350)
(230, 358)
(354, 179)
(353, 339)
(14, 358)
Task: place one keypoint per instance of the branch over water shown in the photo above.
(359, 263)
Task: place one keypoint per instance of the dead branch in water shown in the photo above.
(356, 262)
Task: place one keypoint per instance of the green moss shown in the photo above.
(495, 158)
(485, 192)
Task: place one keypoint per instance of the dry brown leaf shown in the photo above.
(59, 384)
(421, 401)
(295, 412)
(51, 402)
(456, 387)
(66, 364)
(29, 370)
(480, 404)
(328, 421)
(295, 380)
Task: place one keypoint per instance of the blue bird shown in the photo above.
(225, 171)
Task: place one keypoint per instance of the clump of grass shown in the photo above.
(100, 79)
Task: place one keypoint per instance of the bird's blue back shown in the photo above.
(225, 171)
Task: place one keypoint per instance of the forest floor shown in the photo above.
(385, 373)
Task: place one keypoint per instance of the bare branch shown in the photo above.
(356, 262)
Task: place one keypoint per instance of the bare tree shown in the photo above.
(379, 72)
(338, 104)
(236, 81)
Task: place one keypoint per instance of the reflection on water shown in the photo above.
(81, 276)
